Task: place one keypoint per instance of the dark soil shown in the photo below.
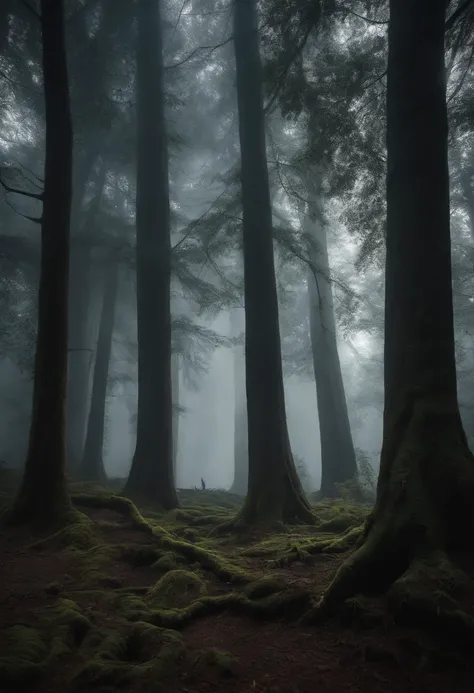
(265, 656)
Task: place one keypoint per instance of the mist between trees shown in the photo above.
(203, 270)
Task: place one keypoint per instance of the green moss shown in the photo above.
(177, 587)
(264, 587)
(77, 533)
(347, 541)
(139, 555)
(210, 560)
(136, 651)
(133, 608)
(23, 656)
(340, 522)
(168, 561)
(65, 615)
(224, 662)
(289, 604)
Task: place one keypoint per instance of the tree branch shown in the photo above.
(464, 7)
(211, 49)
(17, 191)
(31, 9)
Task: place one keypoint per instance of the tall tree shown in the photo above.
(43, 494)
(241, 457)
(92, 467)
(175, 364)
(274, 490)
(338, 460)
(424, 510)
(151, 474)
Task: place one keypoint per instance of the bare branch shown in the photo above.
(31, 9)
(466, 6)
(211, 50)
(366, 19)
(17, 191)
(35, 220)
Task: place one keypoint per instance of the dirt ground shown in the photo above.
(215, 651)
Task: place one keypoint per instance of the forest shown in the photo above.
(236, 346)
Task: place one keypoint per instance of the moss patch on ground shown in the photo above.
(140, 576)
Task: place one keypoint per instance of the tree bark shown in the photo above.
(241, 455)
(151, 474)
(92, 467)
(338, 460)
(424, 510)
(274, 491)
(43, 495)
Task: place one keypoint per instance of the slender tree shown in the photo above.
(338, 460)
(241, 456)
(151, 474)
(43, 494)
(274, 490)
(92, 467)
(424, 510)
(175, 363)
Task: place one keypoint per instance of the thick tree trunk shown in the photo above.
(241, 454)
(43, 494)
(175, 393)
(425, 497)
(92, 468)
(151, 475)
(338, 460)
(274, 489)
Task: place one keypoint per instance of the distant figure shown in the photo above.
(203, 484)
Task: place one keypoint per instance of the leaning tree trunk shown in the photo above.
(92, 467)
(338, 460)
(151, 475)
(274, 491)
(241, 455)
(43, 495)
(424, 510)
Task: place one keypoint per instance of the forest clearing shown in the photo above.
(159, 602)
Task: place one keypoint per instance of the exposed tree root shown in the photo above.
(423, 519)
(207, 559)
(285, 604)
(340, 544)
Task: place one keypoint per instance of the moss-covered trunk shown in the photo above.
(274, 488)
(425, 498)
(338, 460)
(43, 493)
(151, 475)
(92, 467)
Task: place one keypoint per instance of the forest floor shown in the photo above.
(148, 602)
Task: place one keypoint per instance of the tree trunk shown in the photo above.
(274, 491)
(425, 497)
(175, 393)
(92, 468)
(241, 455)
(151, 475)
(79, 304)
(338, 460)
(43, 495)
